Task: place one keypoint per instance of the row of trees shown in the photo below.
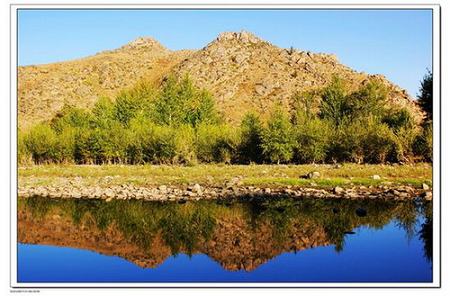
(180, 124)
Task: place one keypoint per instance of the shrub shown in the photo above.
(150, 142)
(41, 142)
(378, 143)
(162, 144)
(366, 140)
(185, 145)
(277, 138)
(24, 156)
(216, 143)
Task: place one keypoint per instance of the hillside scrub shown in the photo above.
(179, 124)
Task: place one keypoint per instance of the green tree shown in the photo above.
(403, 125)
(216, 143)
(335, 105)
(180, 102)
(129, 103)
(70, 116)
(185, 145)
(368, 100)
(312, 140)
(277, 138)
(250, 149)
(41, 141)
(425, 97)
(423, 144)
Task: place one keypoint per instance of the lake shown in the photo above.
(281, 240)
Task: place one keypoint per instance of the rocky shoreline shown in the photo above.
(198, 192)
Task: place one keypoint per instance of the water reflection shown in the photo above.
(239, 235)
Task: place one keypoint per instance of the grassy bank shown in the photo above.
(216, 175)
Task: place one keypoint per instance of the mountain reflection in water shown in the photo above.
(239, 235)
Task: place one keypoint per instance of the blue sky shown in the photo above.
(395, 43)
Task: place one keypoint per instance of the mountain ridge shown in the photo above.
(241, 70)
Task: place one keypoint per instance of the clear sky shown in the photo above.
(395, 43)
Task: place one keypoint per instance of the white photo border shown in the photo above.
(436, 70)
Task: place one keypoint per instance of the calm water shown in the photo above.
(279, 241)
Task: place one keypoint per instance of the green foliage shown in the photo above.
(41, 142)
(110, 143)
(71, 117)
(312, 139)
(335, 105)
(129, 103)
(423, 144)
(24, 156)
(151, 143)
(277, 139)
(363, 141)
(405, 130)
(378, 143)
(185, 152)
(179, 124)
(181, 103)
(216, 143)
(250, 149)
(425, 97)
(65, 145)
(369, 100)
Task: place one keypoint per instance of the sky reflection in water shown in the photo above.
(305, 242)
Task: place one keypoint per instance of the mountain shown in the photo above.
(43, 90)
(241, 70)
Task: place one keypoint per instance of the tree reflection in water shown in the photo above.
(239, 234)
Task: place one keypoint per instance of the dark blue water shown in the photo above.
(384, 253)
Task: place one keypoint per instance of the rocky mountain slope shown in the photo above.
(242, 71)
(43, 90)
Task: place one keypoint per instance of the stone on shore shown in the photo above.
(338, 190)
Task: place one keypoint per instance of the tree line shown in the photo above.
(179, 124)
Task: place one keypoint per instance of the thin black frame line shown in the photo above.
(237, 287)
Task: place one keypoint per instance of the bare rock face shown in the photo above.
(241, 70)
